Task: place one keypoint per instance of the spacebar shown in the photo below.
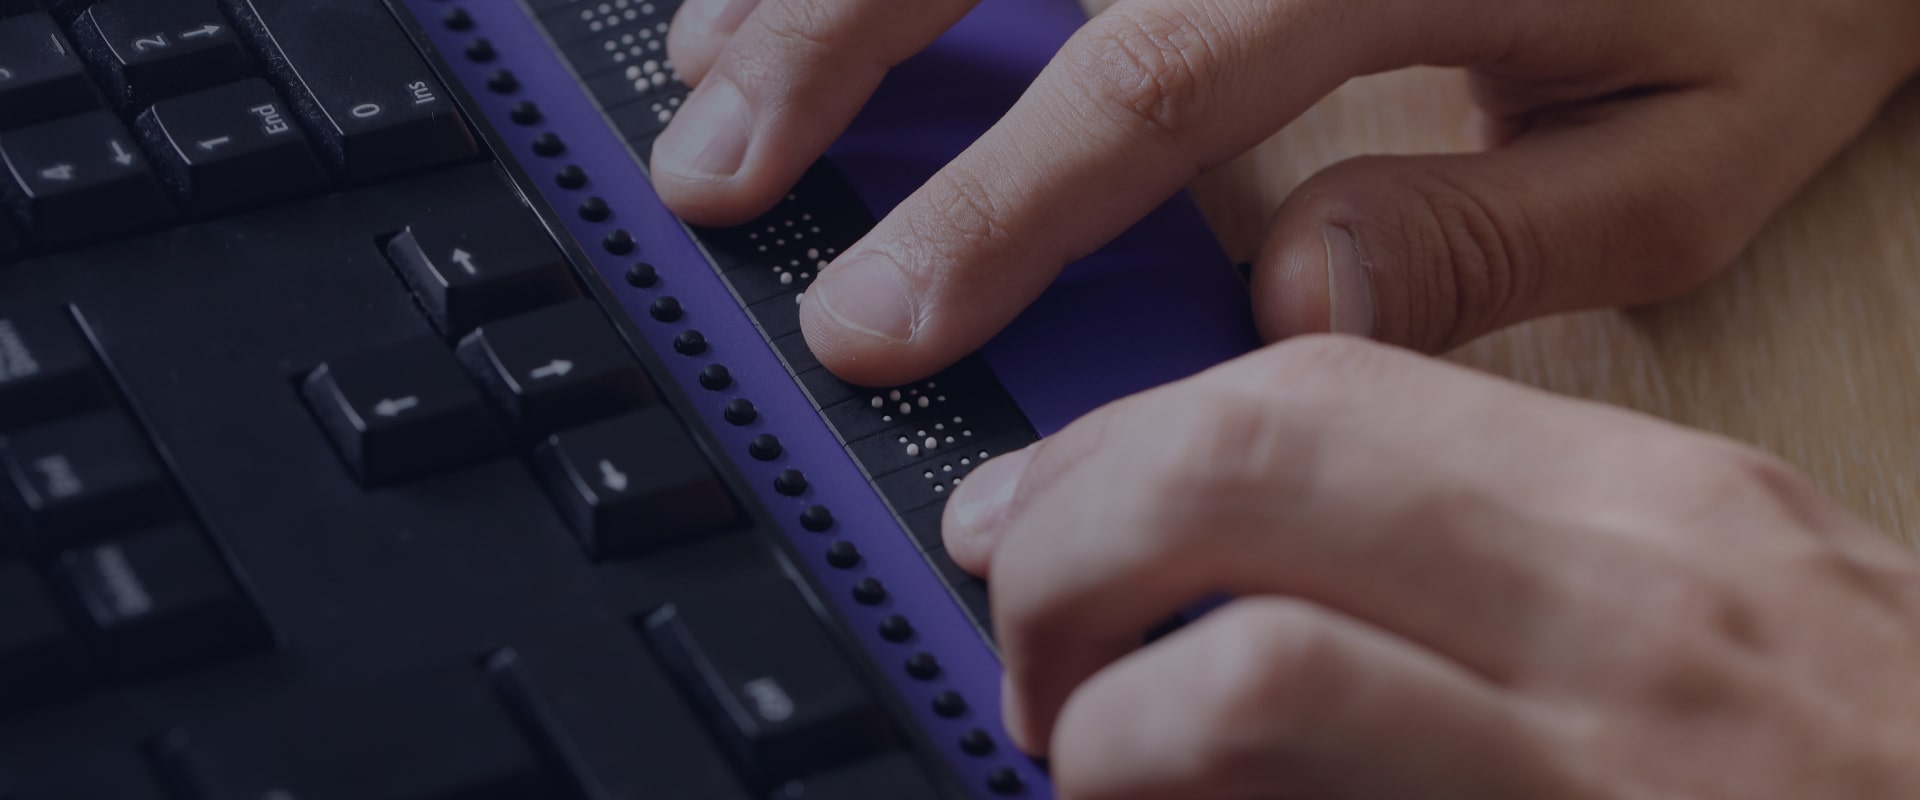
(358, 83)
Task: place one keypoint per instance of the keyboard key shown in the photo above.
(81, 178)
(894, 776)
(473, 269)
(231, 147)
(634, 483)
(86, 479)
(556, 368)
(46, 368)
(779, 691)
(402, 412)
(426, 736)
(150, 49)
(354, 76)
(160, 601)
(41, 659)
(41, 76)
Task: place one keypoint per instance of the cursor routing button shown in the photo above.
(634, 483)
(402, 412)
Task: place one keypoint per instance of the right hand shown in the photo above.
(1642, 142)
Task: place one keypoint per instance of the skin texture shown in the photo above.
(1495, 593)
(1635, 146)
(1447, 587)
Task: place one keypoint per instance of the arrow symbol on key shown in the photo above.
(201, 32)
(612, 477)
(558, 369)
(120, 154)
(465, 260)
(391, 408)
(210, 144)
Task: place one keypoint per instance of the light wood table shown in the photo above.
(1809, 347)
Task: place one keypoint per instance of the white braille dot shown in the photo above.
(949, 440)
(763, 248)
(813, 254)
(786, 278)
(886, 418)
(595, 26)
(612, 46)
(940, 426)
(806, 275)
(893, 395)
(941, 398)
(983, 454)
(924, 402)
(666, 116)
(654, 45)
(932, 443)
(947, 468)
(659, 80)
(966, 462)
(913, 450)
(927, 474)
(877, 402)
(938, 489)
(798, 297)
(903, 440)
(966, 433)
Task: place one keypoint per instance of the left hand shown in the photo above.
(1448, 587)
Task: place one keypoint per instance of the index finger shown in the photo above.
(1140, 101)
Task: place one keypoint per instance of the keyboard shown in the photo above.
(369, 429)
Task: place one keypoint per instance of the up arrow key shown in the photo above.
(465, 260)
(612, 478)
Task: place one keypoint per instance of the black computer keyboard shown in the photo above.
(325, 471)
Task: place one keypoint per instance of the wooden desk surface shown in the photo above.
(1808, 347)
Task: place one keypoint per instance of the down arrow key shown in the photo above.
(633, 484)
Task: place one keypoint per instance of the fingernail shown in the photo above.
(1349, 284)
(708, 138)
(866, 295)
(715, 16)
(980, 504)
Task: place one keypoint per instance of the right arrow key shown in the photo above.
(556, 368)
(633, 484)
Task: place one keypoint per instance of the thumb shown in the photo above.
(1634, 205)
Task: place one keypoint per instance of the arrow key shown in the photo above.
(231, 147)
(471, 266)
(401, 413)
(633, 484)
(556, 368)
(149, 49)
(80, 179)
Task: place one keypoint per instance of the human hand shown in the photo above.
(1638, 145)
(1490, 593)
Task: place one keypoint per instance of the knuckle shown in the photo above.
(1484, 251)
(1146, 66)
(958, 214)
(1267, 656)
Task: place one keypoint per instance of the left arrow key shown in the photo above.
(402, 412)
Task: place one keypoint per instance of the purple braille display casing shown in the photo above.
(1159, 303)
